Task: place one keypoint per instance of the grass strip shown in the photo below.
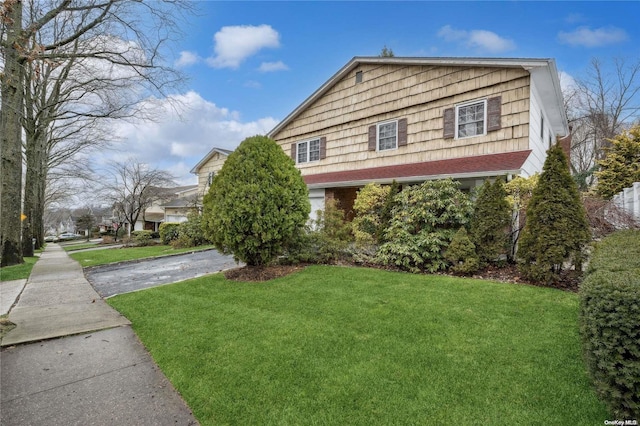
(113, 255)
(18, 272)
(336, 345)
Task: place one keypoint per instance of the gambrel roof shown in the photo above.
(543, 72)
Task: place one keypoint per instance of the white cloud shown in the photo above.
(450, 34)
(234, 44)
(187, 58)
(273, 66)
(585, 36)
(481, 40)
(252, 84)
(186, 128)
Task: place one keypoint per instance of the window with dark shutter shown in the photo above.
(308, 151)
(293, 151)
(494, 113)
(449, 124)
(373, 137)
(402, 132)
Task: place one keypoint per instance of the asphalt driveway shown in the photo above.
(109, 280)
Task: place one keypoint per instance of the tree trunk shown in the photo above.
(10, 137)
(30, 197)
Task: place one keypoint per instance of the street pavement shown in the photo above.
(73, 360)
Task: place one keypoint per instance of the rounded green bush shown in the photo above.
(461, 253)
(142, 238)
(257, 203)
(168, 232)
(610, 322)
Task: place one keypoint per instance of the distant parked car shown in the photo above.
(68, 236)
(51, 239)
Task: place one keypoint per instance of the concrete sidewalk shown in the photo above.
(9, 292)
(99, 374)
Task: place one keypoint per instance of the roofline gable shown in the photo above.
(548, 78)
(208, 157)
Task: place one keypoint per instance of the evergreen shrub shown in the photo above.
(331, 236)
(368, 207)
(142, 238)
(168, 232)
(490, 222)
(610, 322)
(424, 220)
(556, 229)
(190, 233)
(461, 253)
(256, 204)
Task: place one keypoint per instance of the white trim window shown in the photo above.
(308, 151)
(387, 134)
(471, 119)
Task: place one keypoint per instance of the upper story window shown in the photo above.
(210, 177)
(471, 119)
(308, 151)
(387, 135)
(474, 118)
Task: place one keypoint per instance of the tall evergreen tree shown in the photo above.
(557, 229)
(489, 225)
(621, 166)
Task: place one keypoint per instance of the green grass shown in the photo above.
(18, 272)
(78, 246)
(356, 346)
(112, 255)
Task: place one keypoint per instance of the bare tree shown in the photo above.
(131, 187)
(603, 103)
(86, 61)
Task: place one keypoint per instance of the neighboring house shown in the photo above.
(156, 214)
(177, 209)
(207, 168)
(380, 119)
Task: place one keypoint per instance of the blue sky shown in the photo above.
(249, 64)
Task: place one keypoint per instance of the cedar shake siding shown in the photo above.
(411, 118)
(208, 167)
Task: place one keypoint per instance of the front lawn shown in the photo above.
(356, 346)
(18, 272)
(113, 255)
(79, 246)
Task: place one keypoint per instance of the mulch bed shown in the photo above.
(509, 274)
(261, 273)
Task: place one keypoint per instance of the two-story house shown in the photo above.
(207, 168)
(380, 119)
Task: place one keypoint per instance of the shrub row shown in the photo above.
(610, 322)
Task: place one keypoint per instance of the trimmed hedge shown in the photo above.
(610, 322)
(142, 238)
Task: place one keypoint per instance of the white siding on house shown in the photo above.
(538, 145)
